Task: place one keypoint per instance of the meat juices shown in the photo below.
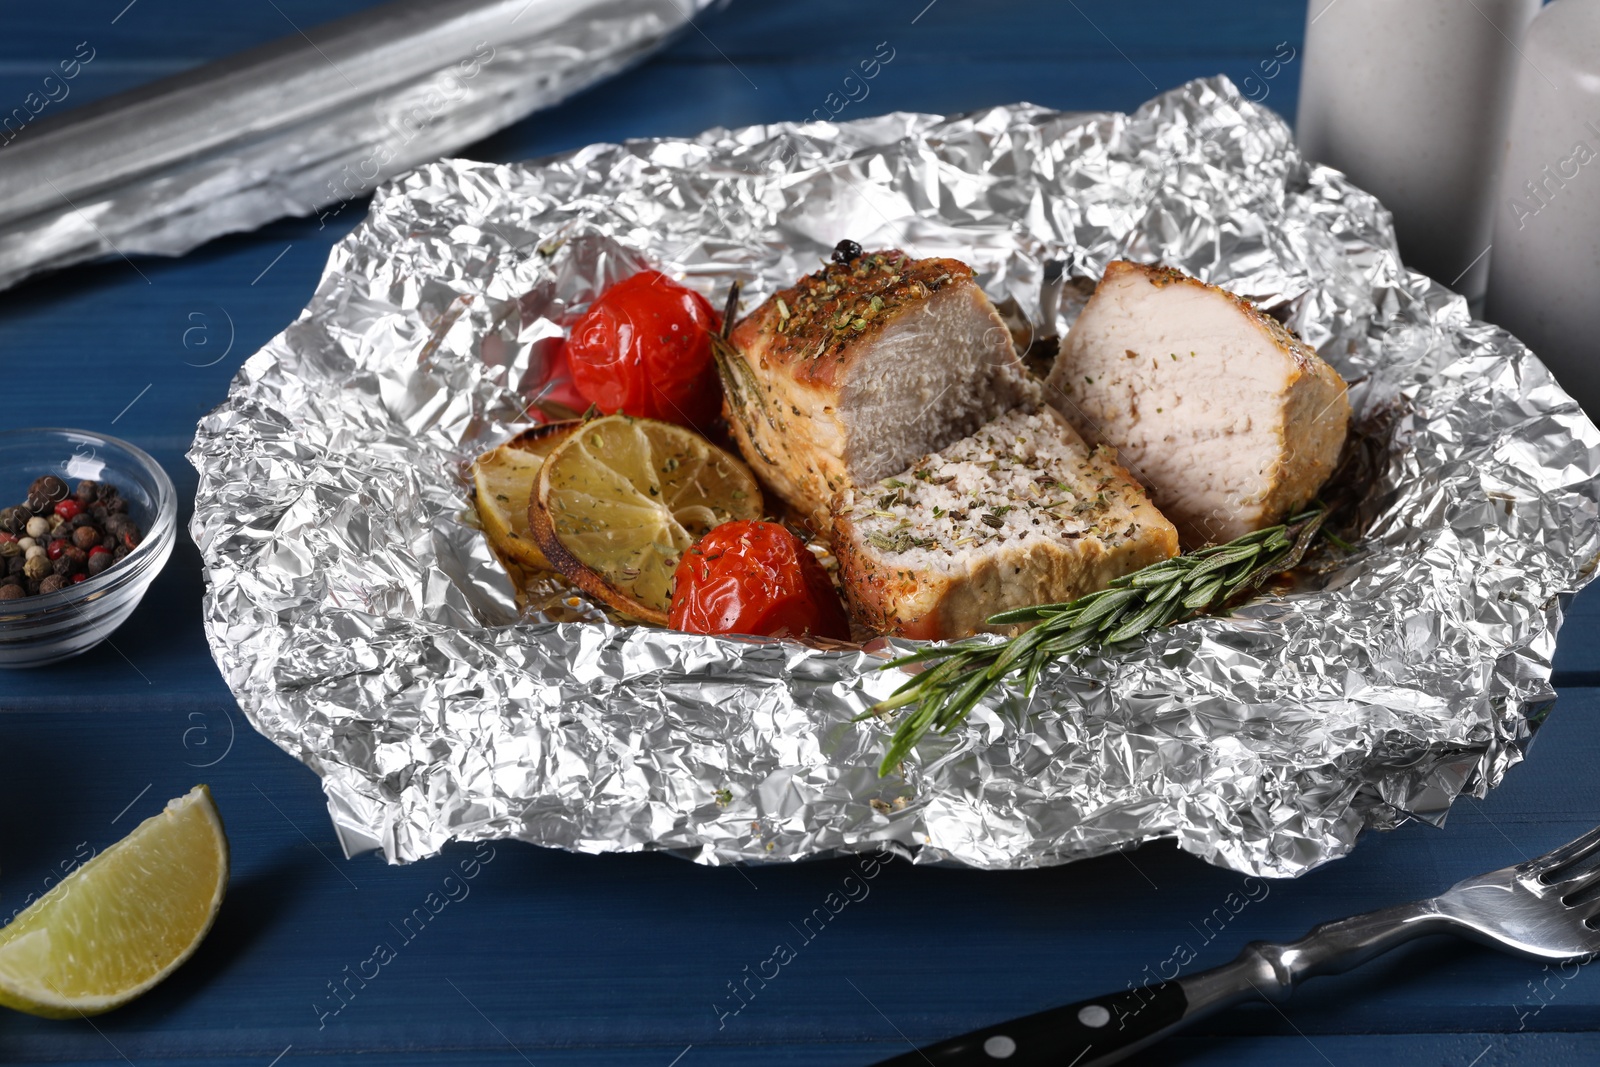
(1232, 421)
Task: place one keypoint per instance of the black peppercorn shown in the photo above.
(45, 492)
(96, 520)
(846, 251)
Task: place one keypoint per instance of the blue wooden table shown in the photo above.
(548, 958)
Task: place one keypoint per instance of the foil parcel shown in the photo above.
(367, 629)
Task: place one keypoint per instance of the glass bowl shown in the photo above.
(52, 626)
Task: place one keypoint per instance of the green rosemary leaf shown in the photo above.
(1203, 594)
(1165, 592)
(1106, 605)
(1338, 542)
(1138, 624)
(924, 654)
(1237, 576)
(1175, 610)
(944, 674)
(1016, 648)
(909, 733)
(1068, 642)
(941, 697)
(1035, 667)
(1254, 537)
(1155, 574)
(1224, 559)
(1033, 614)
(956, 708)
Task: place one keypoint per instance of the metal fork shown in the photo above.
(1528, 909)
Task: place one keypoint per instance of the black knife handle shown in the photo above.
(1090, 1033)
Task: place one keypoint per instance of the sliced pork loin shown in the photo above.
(1020, 513)
(861, 368)
(1231, 420)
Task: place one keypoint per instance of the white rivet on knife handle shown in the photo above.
(999, 1047)
(1093, 1015)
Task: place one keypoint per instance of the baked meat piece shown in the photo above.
(861, 368)
(1231, 420)
(1020, 513)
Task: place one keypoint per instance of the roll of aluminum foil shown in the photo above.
(367, 629)
(299, 125)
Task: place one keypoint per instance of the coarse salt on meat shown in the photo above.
(1020, 513)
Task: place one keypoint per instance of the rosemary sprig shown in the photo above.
(941, 696)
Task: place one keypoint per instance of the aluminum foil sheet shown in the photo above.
(299, 125)
(367, 629)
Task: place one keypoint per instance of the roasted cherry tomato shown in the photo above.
(755, 578)
(644, 349)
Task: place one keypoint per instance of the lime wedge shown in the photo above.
(123, 921)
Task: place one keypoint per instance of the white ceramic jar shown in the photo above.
(1544, 281)
(1409, 98)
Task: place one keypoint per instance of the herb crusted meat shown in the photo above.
(861, 368)
(1020, 513)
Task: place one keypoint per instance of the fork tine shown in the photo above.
(1571, 887)
(1556, 859)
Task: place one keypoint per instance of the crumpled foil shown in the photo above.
(300, 124)
(367, 629)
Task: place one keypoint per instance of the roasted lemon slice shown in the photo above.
(622, 498)
(123, 921)
(503, 480)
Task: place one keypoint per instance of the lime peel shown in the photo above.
(122, 922)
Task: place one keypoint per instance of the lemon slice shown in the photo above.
(123, 921)
(622, 498)
(503, 481)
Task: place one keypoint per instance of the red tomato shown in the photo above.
(755, 578)
(644, 349)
